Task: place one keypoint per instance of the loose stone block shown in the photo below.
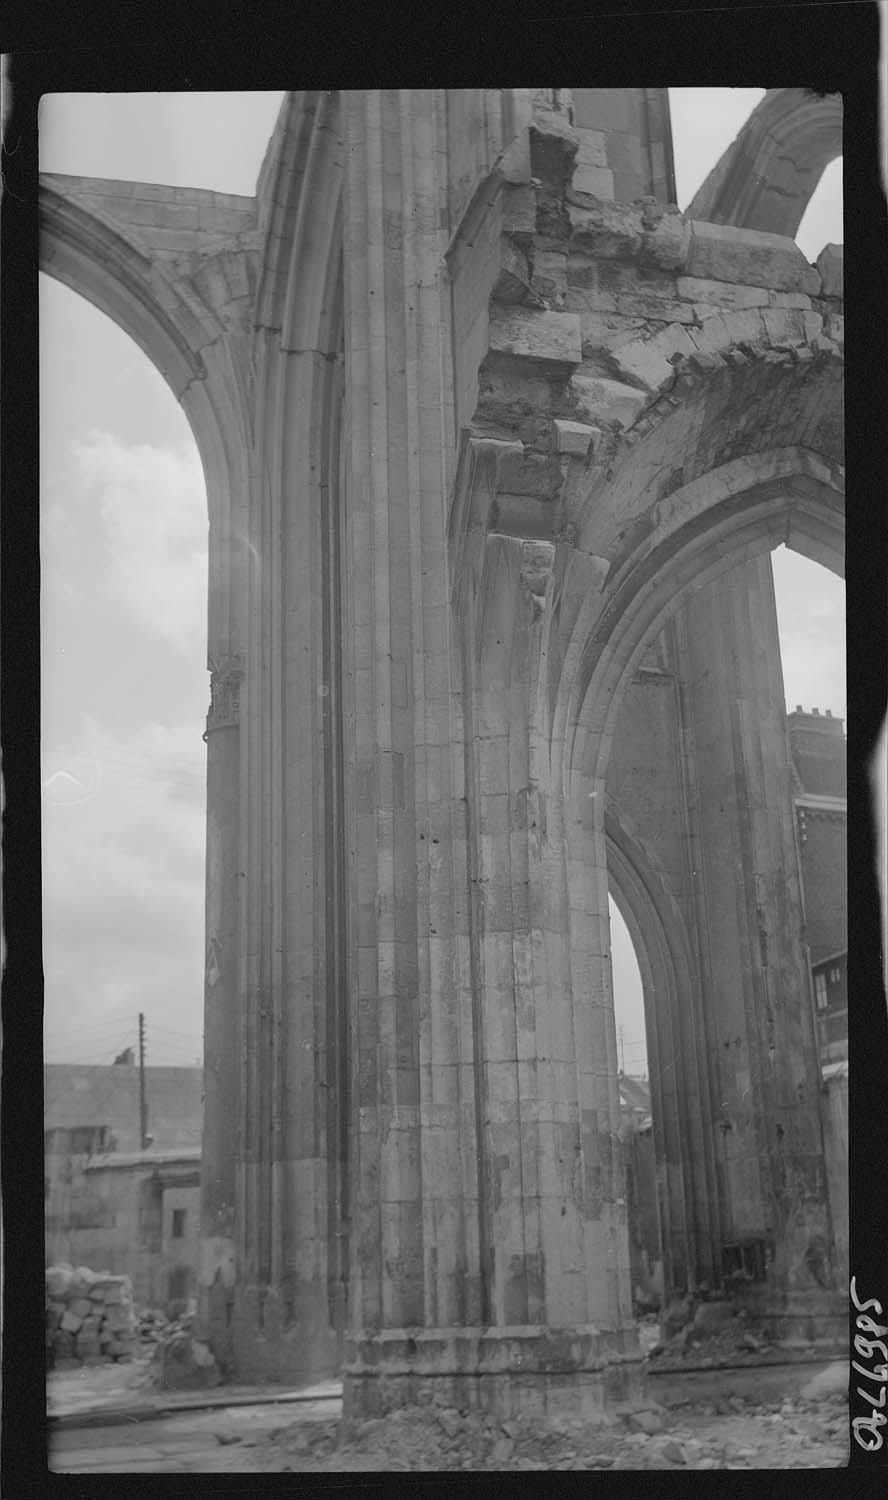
(668, 244)
(519, 206)
(650, 361)
(550, 336)
(600, 400)
(721, 252)
(710, 296)
(831, 266)
(595, 180)
(575, 437)
(513, 283)
(608, 229)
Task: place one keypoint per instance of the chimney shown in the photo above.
(816, 713)
(829, 713)
(799, 709)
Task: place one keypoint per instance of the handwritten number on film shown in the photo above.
(866, 1429)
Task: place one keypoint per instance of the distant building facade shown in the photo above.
(109, 1204)
(817, 749)
(831, 1007)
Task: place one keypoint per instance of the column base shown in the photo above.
(511, 1372)
(804, 1320)
(262, 1337)
(789, 1322)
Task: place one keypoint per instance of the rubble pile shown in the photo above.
(179, 1360)
(155, 1327)
(90, 1317)
(427, 1437)
(808, 1431)
(709, 1333)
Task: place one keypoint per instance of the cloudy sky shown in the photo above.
(124, 529)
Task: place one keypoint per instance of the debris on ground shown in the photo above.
(709, 1333)
(182, 1362)
(798, 1433)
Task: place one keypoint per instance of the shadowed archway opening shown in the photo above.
(654, 794)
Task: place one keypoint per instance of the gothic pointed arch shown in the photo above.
(673, 1027)
(184, 295)
(767, 176)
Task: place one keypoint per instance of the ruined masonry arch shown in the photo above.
(767, 177)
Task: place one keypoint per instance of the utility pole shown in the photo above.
(622, 1059)
(143, 1100)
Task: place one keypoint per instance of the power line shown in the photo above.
(173, 1031)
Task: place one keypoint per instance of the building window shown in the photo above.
(834, 976)
(178, 1223)
(820, 994)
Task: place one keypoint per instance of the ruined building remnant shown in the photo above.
(497, 444)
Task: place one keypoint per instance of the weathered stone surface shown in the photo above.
(667, 244)
(80, 1325)
(519, 207)
(721, 252)
(710, 1317)
(553, 337)
(831, 266)
(185, 1363)
(592, 148)
(708, 296)
(833, 1381)
(601, 401)
(575, 437)
(513, 283)
(606, 229)
(650, 361)
(596, 181)
(58, 1281)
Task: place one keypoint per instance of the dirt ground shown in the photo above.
(758, 1424)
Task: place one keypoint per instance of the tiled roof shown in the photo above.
(109, 1095)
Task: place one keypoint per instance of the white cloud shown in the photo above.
(123, 891)
(153, 505)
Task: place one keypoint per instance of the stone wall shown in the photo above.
(90, 1317)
